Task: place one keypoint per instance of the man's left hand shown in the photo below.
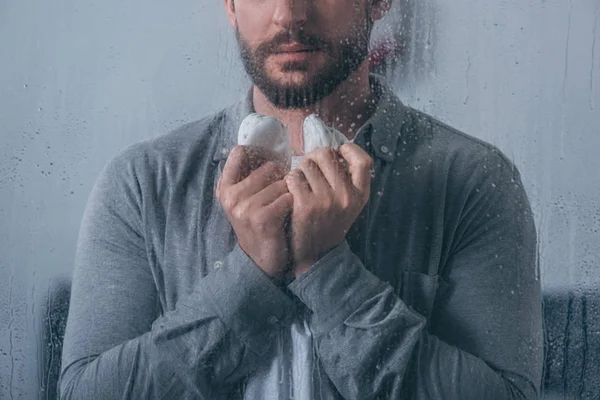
(330, 188)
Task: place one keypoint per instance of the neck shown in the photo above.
(346, 109)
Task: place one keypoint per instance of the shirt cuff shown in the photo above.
(335, 287)
(247, 300)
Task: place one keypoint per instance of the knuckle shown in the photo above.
(283, 187)
(345, 202)
(306, 163)
(325, 153)
(236, 213)
(228, 201)
(315, 154)
(296, 175)
(240, 212)
(290, 178)
(364, 163)
(319, 151)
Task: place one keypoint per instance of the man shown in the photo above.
(401, 266)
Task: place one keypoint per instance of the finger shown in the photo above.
(235, 168)
(335, 173)
(359, 166)
(259, 179)
(271, 193)
(297, 183)
(281, 207)
(313, 175)
(257, 156)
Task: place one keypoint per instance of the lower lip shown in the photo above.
(295, 55)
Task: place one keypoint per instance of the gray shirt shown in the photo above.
(434, 294)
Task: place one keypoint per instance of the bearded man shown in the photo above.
(400, 265)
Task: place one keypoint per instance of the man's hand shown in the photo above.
(257, 203)
(329, 193)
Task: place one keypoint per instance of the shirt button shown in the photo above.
(217, 264)
(384, 149)
(272, 320)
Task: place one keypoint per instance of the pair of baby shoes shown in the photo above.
(269, 134)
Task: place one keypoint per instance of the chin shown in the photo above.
(295, 77)
(296, 81)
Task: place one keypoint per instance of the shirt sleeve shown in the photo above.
(117, 345)
(484, 339)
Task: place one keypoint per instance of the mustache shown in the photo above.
(270, 46)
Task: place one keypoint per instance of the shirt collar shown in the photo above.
(385, 125)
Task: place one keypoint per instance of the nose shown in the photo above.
(290, 14)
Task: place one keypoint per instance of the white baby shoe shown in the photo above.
(317, 135)
(270, 134)
(267, 133)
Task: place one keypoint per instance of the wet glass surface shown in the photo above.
(80, 81)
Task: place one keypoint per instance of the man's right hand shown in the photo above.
(257, 202)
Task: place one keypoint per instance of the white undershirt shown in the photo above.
(294, 371)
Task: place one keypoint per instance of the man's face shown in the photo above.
(298, 51)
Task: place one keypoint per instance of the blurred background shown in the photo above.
(80, 80)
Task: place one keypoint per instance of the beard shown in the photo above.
(342, 59)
